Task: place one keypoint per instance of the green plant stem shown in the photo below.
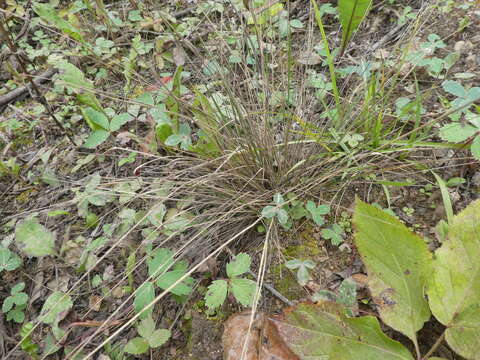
(331, 66)
(434, 346)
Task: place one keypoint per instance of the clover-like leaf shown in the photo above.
(317, 212)
(334, 234)
(154, 338)
(239, 266)
(243, 290)
(119, 120)
(34, 239)
(8, 260)
(216, 294)
(96, 138)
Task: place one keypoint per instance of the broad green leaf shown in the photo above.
(323, 331)
(9, 261)
(244, 290)
(136, 346)
(168, 279)
(351, 14)
(95, 119)
(282, 216)
(454, 88)
(240, 265)
(398, 263)
(475, 148)
(457, 132)
(216, 294)
(119, 120)
(74, 78)
(144, 295)
(54, 306)
(34, 239)
(269, 211)
(50, 15)
(96, 138)
(454, 286)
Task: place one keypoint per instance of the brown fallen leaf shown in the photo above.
(262, 342)
(95, 302)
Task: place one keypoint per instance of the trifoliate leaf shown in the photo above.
(317, 212)
(56, 304)
(239, 266)
(216, 294)
(136, 346)
(34, 239)
(244, 290)
(269, 211)
(9, 261)
(144, 295)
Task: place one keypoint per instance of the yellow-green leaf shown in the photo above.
(454, 287)
(398, 263)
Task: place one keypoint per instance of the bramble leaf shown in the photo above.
(8, 260)
(216, 294)
(239, 266)
(144, 295)
(244, 290)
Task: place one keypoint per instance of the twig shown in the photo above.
(391, 34)
(22, 90)
(435, 346)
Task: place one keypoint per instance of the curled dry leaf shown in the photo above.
(309, 58)
(262, 342)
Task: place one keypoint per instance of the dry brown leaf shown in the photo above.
(94, 302)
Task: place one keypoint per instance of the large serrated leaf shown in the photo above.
(323, 331)
(398, 263)
(454, 286)
(144, 295)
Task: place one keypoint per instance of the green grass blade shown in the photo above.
(351, 14)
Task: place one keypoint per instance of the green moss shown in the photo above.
(286, 283)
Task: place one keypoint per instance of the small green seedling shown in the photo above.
(317, 212)
(276, 211)
(302, 273)
(149, 337)
(242, 289)
(334, 233)
(9, 261)
(14, 304)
